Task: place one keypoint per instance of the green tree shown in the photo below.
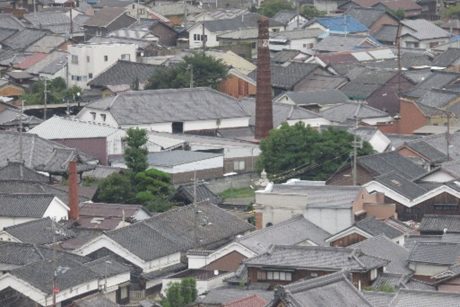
(135, 152)
(399, 13)
(310, 12)
(452, 11)
(206, 70)
(154, 189)
(180, 294)
(319, 154)
(56, 89)
(116, 188)
(270, 7)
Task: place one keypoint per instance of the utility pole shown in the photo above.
(195, 209)
(185, 15)
(203, 37)
(356, 144)
(21, 155)
(398, 45)
(55, 290)
(191, 75)
(45, 94)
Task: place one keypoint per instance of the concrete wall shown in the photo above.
(221, 184)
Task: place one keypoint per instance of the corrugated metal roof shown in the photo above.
(71, 128)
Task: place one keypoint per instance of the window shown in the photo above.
(74, 59)
(261, 275)
(93, 114)
(106, 58)
(445, 207)
(412, 44)
(284, 276)
(196, 37)
(177, 127)
(87, 59)
(125, 57)
(90, 76)
(103, 116)
(134, 6)
(78, 78)
(434, 44)
(123, 292)
(238, 165)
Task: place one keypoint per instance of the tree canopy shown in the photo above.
(317, 155)
(270, 7)
(206, 70)
(149, 187)
(180, 294)
(57, 92)
(310, 11)
(135, 152)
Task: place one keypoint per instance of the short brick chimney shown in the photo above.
(264, 112)
(74, 212)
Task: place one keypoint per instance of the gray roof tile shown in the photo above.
(387, 34)
(173, 231)
(8, 21)
(281, 112)
(24, 205)
(185, 193)
(338, 42)
(296, 230)
(226, 295)
(422, 29)
(42, 231)
(346, 112)
(382, 247)
(426, 150)
(401, 185)
(438, 223)
(366, 16)
(411, 298)
(105, 16)
(384, 163)
(329, 290)
(124, 72)
(18, 171)
(284, 16)
(316, 258)
(286, 77)
(437, 80)
(320, 97)
(376, 227)
(23, 39)
(169, 105)
(447, 58)
(178, 157)
(367, 83)
(437, 253)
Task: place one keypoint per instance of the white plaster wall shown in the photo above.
(211, 40)
(315, 122)
(57, 210)
(438, 176)
(331, 220)
(85, 115)
(96, 64)
(426, 269)
(115, 143)
(216, 162)
(11, 221)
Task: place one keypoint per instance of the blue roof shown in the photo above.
(342, 24)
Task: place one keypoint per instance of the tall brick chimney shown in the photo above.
(74, 212)
(264, 112)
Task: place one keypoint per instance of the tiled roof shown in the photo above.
(285, 16)
(438, 223)
(185, 193)
(42, 231)
(330, 290)
(382, 247)
(401, 185)
(320, 97)
(281, 112)
(169, 105)
(71, 128)
(376, 227)
(422, 29)
(436, 253)
(18, 171)
(326, 196)
(367, 83)
(19, 254)
(58, 161)
(316, 258)
(5, 33)
(46, 44)
(31, 60)
(54, 21)
(226, 295)
(366, 16)
(410, 298)
(286, 77)
(24, 205)
(378, 299)
(95, 300)
(23, 39)
(105, 16)
(427, 151)
(447, 58)
(124, 72)
(385, 163)
(293, 231)
(178, 157)
(387, 34)
(174, 231)
(341, 42)
(346, 112)
(8, 21)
